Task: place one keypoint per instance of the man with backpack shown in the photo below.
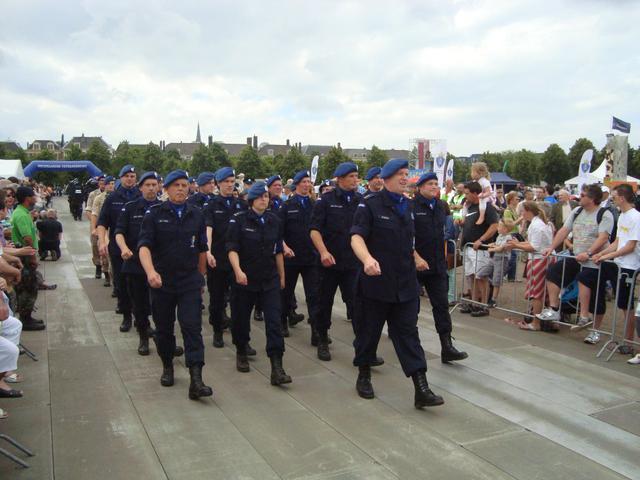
(591, 227)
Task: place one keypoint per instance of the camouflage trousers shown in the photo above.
(27, 289)
(97, 259)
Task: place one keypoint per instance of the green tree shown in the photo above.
(249, 163)
(494, 161)
(74, 153)
(220, 156)
(202, 161)
(152, 159)
(292, 163)
(575, 154)
(524, 165)
(334, 157)
(554, 165)
(172, 161)
(99, 154)
(461, 171)
(376, 158)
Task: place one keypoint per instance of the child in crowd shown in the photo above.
(480, 173)
(500, 260)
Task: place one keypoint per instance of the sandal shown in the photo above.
(13, 378)
(3, 414)
(11, 393)
(527, 326)
(44, 286)
(512, 321)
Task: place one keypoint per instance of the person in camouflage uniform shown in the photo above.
(96, 206)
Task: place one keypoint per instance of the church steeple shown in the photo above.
(198, 139)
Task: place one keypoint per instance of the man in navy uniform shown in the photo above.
(431, 264)
(274, 183)
(374, 182)
(219, 276)
(254, 246)
(172, 248)
(206, 186)
(108, 219)
(300, 256)
(382, 237)
(329, 230)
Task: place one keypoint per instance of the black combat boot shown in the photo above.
(323, 347)
(295, 318)
(98, 271)
(218, 341)
(178, 351)
(242, 362)
(251, 352)
(377, 362)
(363, 384)
(197, 388)
(278, 375)
(107, 279)
(30, 324)
(226, 320)
(166, 379)
(125, 326)
(424, 396)
(257, 315)
(285, 328)
(314, 337)
(449, 353)
(143, 346)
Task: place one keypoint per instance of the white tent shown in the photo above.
(11, 168)
(597, 176)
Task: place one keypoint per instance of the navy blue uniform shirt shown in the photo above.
(129, 224)
(295, 215)
(430, 219)
(175, 244)
(111, 210)
(217, 215)
(200, 200)
(332, 216)
(257, 240)
(389, 236)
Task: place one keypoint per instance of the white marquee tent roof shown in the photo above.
(11, 168)
(597, 176)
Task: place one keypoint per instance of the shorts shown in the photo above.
(496, 269)
(555, 272)
(475, 261)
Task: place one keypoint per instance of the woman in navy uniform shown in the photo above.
(430, 217)
(300, 256)
(382, 237)
(329, 230)
(206, 186)
(254, 245)
(217, 214)
(111, 209)
(172, 249)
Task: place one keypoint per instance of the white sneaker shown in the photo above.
(549, 314)
(592, 338)
(635, 360)
(583, 322)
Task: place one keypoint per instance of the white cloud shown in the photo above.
(486, 75)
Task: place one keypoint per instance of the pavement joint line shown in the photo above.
(496, 435)
(50, 403)
(615, 407)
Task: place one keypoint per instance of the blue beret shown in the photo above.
(257, 190)
(223, 173)
(191, 179)
(100, 177)
(117, 184)
(299, 176)
(148, 175)
(272, 179)
(175, 175)
(425, 177)
(345, 169)
(109, 179)
(126, 169)
(204, 178)
(372, 173)
(392, 166)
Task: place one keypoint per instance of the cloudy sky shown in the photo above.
(485, 75)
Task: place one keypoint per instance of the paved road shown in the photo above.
(524, 405)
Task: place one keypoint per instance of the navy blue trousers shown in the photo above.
(218, 284)
(437, 287)
(138, 291)
(242, 302)
(311, 283)
(330, 280)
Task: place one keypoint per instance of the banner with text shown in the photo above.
(439, 155)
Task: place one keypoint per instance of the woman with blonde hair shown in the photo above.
(480, 173)
(539, 238)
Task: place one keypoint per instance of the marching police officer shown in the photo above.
(382, 237)
(108, 219)
(75, 197)
(329, 230)
(254, 246)
(127, 233)
(430, 215)
(217, 214)
(206, 186)
(172, 249)
(374, 182)
(274, 184)
(300, 256)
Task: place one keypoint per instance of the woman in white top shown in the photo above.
(539, 238)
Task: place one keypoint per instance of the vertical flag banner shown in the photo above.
(314, 169)
(421, 154)
(439, 155)
(585, 168)
(449, 174)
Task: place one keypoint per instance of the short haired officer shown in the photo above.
(430, 216)
(254, 246)
(329, 230)
(382, 237)
(300, 256)
(206, 185)
(374, 181)
(217, 214)
(274, 184)
(172, 248)
(111, 210)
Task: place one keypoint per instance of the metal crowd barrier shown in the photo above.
(522, 306)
